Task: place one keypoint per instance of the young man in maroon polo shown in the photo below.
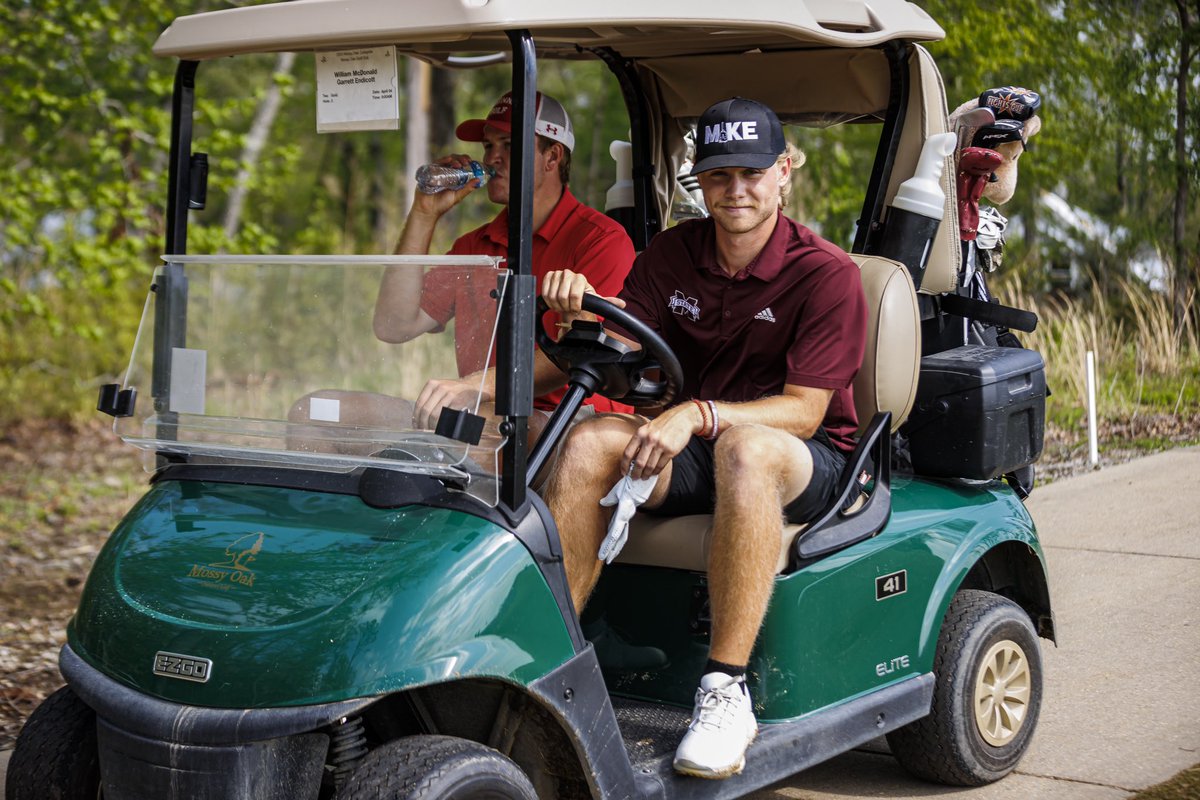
(769, 323)
(569, 235)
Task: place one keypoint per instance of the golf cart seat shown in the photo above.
(885, 385)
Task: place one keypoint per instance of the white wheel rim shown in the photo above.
(1002, 693)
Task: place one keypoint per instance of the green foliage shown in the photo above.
(1106, 73)
(78, 127)
(84, 124)
(830, 186)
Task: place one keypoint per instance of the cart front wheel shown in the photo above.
(986, 698)
(56, 753)
(436, 768)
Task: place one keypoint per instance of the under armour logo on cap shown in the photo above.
(738, 133)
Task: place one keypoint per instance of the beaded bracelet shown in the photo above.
(716, 420)
(704, 423)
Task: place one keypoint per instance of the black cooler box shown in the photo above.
(980, 412)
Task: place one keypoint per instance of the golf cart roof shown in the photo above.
(636, 29)
(815, 62)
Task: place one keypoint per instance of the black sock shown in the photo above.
(728, 669)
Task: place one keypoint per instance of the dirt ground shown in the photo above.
(63, 487)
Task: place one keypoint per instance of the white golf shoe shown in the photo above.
(722, 728)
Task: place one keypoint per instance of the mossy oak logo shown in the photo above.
(234, 569)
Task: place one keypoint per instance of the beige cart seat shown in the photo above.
(887, 381)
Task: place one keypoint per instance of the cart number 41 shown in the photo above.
(891, 585)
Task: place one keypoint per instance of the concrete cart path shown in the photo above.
(1121, 710)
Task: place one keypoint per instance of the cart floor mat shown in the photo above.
(650, 731)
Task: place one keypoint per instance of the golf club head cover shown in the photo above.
(626, 495)
(999, 132)
(1003, 185)
(1011, 102)
(975, 168)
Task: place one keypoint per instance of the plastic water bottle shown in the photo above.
(434, 178)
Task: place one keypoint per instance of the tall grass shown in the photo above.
(1145, 363)
(1161, 345)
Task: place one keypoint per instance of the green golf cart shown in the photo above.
(314, 599)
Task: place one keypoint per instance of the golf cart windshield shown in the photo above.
(275, 360)
(813, 62)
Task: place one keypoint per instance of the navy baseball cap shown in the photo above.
(738, 133)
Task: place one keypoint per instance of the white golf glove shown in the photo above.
(626, 495)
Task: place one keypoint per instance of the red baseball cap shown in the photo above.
(550, 120)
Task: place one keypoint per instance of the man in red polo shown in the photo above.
(769, 323)
(569, 235)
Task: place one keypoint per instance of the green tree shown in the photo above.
(80, 145)
(84, 123)
(1120, 139)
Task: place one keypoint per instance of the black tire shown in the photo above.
(950, 746)
(436, 768)
(56, 754)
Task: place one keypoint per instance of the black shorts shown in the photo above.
(693, 489)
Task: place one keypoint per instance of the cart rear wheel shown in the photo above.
(56, 752)
(436, 768)
(986, 699)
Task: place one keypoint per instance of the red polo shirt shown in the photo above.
(796, 314)
(573, 237)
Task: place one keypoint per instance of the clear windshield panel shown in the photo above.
(318, 362)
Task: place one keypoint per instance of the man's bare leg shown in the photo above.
(758, 471)
(588, 467)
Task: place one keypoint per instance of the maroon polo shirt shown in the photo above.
(796, 314)
(574, 237)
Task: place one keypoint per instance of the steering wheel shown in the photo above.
(603, 363)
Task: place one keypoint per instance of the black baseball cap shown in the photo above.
(738, 133)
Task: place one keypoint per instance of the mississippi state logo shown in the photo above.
(684, 306)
